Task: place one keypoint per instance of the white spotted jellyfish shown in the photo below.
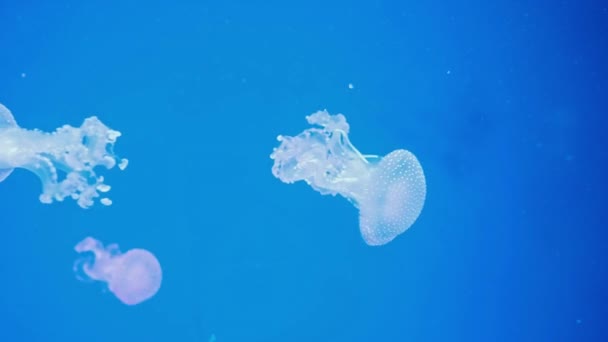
(389, 191)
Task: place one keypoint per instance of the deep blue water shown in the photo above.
(503, 102)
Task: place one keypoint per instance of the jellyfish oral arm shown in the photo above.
(325, 160)
(64, 160)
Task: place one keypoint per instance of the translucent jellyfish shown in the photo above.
(388, 191)
(69, 153)
(132, 277)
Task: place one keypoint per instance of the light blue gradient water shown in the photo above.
(504, 103)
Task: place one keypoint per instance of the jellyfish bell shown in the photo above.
(137, 277)
(392, 199)
(6, 120)
(4, 173)
(389, 192)
(133, 277)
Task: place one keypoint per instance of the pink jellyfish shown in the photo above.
(132, 277)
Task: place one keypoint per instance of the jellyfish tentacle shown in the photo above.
(74, 151)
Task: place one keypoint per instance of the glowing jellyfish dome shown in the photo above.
(389, 191)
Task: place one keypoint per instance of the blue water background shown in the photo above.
(504, 103)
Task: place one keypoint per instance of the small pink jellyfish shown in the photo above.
(132, 277)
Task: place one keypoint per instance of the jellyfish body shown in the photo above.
(389, 192)
(132, 277)
(6, 121)
(69, 153)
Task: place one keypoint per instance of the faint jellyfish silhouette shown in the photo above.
(389, 192)
(132, 277)
(69, 152)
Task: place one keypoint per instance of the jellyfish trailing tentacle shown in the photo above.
(64, 160)
(388, 191)
(133, 277)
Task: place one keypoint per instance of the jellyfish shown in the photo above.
(132, 277)
(389, 191)
(64, 160)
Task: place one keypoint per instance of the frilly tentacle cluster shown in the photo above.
(77, 152)
(65, 160)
